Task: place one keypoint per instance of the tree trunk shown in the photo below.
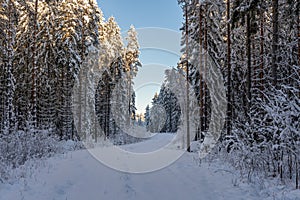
(201, 127)
(249, 79)
(261, 73)
(8, 65)
(205, 88)
(281, 165)
(297, 172)
(81, 74)
(298, 46)
(129, 99)
(201, 73)
(62, 104)
(187, 81)
(229, 105)
(34, 69)
(290, 164)
(275, 42)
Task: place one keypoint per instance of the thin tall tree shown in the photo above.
(34, 68)
(229, 105)
(187, 79)
(275, 39)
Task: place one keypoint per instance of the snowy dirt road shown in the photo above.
(79, 176)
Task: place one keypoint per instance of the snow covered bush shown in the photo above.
(268, 144)
(16, 149)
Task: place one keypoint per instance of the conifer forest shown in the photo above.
(67, 87)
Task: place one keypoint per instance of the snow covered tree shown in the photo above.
(131, 58)
(257, 48)
(169, 103)
(147, 118)
(133, 108)
(8, 23)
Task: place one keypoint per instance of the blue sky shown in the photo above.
(157, 23)
(143, 13)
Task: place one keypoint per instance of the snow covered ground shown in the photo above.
(79, 176)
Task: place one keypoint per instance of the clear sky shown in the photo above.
(157, 23)
(143, 13)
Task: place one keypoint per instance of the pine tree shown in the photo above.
(261, 66)
(8, 24)
(132, 63)
(133, 108)
(147, 118)
(275, 37)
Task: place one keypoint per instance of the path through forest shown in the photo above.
(78, 176)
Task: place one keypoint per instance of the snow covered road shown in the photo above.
(78, 176)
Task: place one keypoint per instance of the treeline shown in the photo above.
(256, 45)
(46, 48)
(164, 115)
